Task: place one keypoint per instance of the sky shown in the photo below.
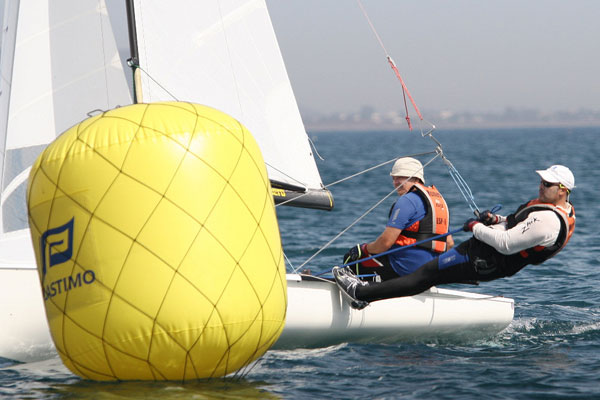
(455, 55)
(460, 55)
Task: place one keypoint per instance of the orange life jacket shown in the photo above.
(538, 254)
(435, 222)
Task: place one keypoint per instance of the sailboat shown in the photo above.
(61, 63)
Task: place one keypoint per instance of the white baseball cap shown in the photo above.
(558, 174)
(408, 167)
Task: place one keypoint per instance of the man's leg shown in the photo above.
(447, 268)
(380, 266)
(407, 285)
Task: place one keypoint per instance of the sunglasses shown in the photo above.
(548, 184)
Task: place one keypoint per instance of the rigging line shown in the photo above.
(336, 237)
(431, 128)
(377, 166)
(407, 118)
(430, 133)
(155, 81)
(286, 175)
(404, 87)
(289, 261)
(461, 184)
(312, 144)
(348, 177)
(405, 90)
(372, 26)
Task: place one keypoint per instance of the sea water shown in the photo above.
(551, 350)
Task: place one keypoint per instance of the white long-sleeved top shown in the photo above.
(540, 228)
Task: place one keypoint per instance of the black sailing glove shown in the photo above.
(488, 218)
(356, 253)
(469, 224)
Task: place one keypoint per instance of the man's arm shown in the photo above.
(541, 228)
(384, 241)
(407, 209)
(449, 242)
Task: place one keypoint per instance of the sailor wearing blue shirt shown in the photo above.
(419, 213)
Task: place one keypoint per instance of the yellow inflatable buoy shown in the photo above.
(157, 244)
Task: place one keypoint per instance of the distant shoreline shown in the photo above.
(358, 127)
(368, 118)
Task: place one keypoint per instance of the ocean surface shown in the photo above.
(551, 350)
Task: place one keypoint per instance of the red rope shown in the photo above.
(405, 92)
(393, 65)
(407, 118)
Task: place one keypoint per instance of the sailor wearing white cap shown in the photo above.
(419, 213)
(556, 175)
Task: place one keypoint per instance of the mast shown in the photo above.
(134, 61)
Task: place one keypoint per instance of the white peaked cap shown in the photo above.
(558, 174)
(408, 166)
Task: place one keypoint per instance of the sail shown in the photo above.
(59, 62)
(70, 59)
(224, 54)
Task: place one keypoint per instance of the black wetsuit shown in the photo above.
(471, 261)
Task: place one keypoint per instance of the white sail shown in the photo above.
(59, 65)
(225, 54)
(59, 61)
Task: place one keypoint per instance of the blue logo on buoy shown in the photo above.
(56, 246)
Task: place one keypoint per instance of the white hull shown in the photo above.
(317, 316)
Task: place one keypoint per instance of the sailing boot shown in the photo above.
(347, 283)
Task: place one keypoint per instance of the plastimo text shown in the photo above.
(68, 283)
